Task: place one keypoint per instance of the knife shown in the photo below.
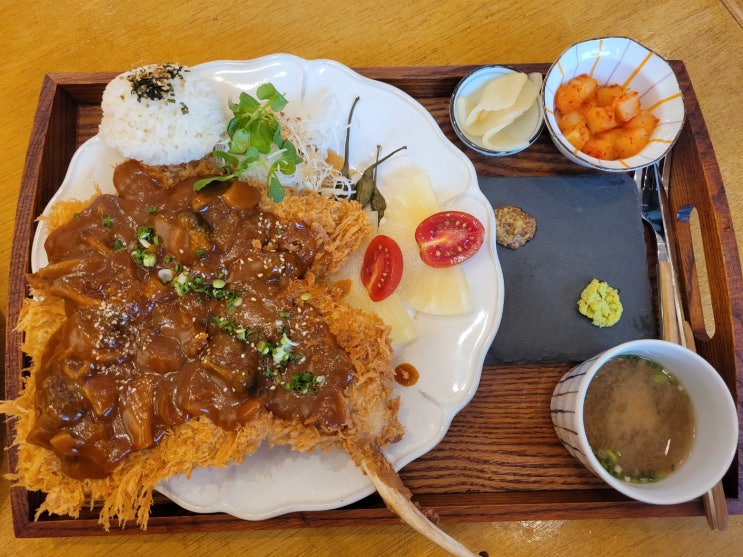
(648, 182)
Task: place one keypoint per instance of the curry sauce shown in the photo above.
(179, 304)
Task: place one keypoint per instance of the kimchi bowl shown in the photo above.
(624, 62)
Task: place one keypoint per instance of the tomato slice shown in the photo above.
(381, 270)
(447, 238)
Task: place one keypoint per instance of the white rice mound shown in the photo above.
(183, 126)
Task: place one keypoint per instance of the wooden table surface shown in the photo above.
(114, 35)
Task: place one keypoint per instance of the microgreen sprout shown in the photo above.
(255, 139)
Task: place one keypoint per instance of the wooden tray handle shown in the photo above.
(693, 190)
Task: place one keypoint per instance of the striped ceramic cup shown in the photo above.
(716, 432)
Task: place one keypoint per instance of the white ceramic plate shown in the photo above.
(449, 351)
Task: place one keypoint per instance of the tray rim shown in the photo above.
(62, 94)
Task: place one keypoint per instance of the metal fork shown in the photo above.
(647, 180)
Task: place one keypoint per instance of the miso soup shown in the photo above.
(639, 419)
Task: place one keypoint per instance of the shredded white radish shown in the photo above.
(310, 137)
(315, 128)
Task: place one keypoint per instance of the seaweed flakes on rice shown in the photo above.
(162, 114)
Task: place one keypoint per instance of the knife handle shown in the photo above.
(669, 319)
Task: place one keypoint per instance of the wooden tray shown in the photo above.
(501, 459)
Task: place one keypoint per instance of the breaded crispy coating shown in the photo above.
(126, 494)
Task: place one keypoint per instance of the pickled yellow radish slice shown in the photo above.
(439, 291)
(391, 310)
(442, 291)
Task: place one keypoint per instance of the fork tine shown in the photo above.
(639, 177)
(658, 176)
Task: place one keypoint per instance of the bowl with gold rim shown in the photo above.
(612, 104)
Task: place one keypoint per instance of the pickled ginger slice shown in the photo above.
(517, 134)
(499, 93)
(495, 120)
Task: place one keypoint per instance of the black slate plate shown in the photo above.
(587, 226)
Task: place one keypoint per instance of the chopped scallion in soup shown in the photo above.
(639, 419)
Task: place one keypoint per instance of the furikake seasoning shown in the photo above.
(154, 82)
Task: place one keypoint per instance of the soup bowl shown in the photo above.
(716, 421)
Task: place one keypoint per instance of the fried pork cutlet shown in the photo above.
(175, 329)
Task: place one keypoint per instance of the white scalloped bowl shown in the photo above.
(626, 62)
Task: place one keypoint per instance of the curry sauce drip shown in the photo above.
(179, 304)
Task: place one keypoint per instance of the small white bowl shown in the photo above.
(619, 60)
(716, 436)
(471, 83)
